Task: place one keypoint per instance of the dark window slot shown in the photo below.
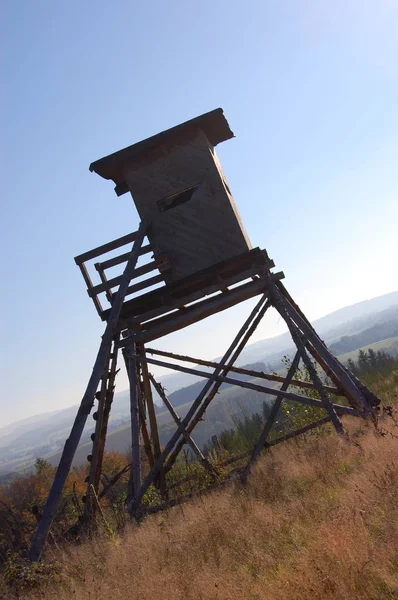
(176, 199)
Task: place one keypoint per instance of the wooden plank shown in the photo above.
(72, 442)
(134, 483)
(161, 483)
(89, 284)
(299, 339)
(145, 283)
(141, 411)
(200, 311)
(110, 389)
(125, 239)
(95, 467)
(104, 279)
(346, 383)
(243, 371)
(252, 386)
(196, 286)
(118, 260)
(144, 429)
(367, 393)
(115, 281)
(108, 484)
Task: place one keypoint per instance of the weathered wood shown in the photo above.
(72, 442)
(189, 440)
(146, 283)
(199, 285)
(135, 472)
(90, 254)
(110, 389)
(351, 390)
(133, 505)
(280, 304)
(104, 279)
(107, 485)
(142, 413)
(89, 284)
(245, 334)
(161, 481)
(271, 418)
(199, 311)
(243, 371)
(117, 260)
(108, 284)
(144, 429)
(99, 440)
(252, 386)
(182, 190)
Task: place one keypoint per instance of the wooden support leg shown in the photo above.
(271, 419)
(160, 482)
(86, 404)
(141, 408)
(135, 473)
(144, 429)
(133, 505)
(299, 340)
(351, 390)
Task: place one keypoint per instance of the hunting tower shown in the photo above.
(190, 258)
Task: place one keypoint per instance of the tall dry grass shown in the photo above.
(317, 519)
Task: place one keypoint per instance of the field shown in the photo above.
(317, 519)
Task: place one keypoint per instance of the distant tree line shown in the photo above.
(369, 361)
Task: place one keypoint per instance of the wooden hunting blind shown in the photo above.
(177, 184)
(189, 259)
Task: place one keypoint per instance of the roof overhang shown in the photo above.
(213, 124)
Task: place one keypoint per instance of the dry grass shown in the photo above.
(318, 519)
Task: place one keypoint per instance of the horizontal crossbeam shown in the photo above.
(252, 386)
(90, 254)
(118, 260)
(243, 371)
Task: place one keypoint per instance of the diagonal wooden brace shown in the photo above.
(189, 440)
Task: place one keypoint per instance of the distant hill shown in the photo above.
(345, 330)
(386, 326)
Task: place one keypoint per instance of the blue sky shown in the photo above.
(310, 90)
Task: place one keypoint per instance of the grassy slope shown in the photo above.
(318, 519)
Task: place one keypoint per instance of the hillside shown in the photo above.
(318, 518)
(345, 330)
(323, 526)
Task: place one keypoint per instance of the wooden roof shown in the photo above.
(213, 124)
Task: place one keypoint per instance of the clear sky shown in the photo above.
(310, 90)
